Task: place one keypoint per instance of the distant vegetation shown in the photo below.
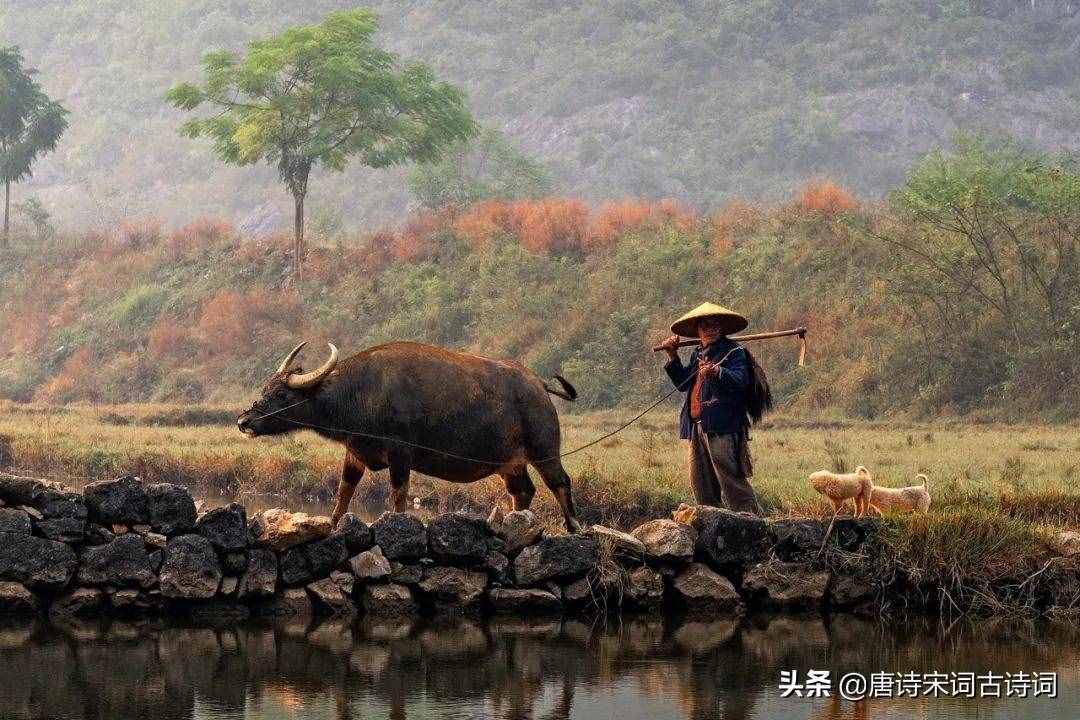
(958, 297)
(701, 101)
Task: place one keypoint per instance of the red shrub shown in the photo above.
(482, 222)
(618, 217)
(735, 222)
(200, 233)
(550, 225)
(169, 341)
(824, 197)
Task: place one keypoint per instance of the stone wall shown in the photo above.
(124, 547)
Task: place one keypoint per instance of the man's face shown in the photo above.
(709, 329)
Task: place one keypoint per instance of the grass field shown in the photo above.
(1028, 471)
(1000, 492)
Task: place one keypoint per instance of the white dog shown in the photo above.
(841, 487)
(914, 498)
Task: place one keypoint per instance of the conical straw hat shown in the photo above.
(687, 324)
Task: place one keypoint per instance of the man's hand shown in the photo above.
(708, 369)
(671, 346)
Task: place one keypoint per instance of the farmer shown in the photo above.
(725, 389)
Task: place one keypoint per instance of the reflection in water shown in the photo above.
(506, 668)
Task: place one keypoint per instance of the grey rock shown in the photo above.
(260, 578)
(406, 573)
(229, 585)
(155, 559)
(400, 535)
(797, 539)
(234, 563)
(730, 538)
(225, 527)
(554, 558)
(171, 509)
(787, 584)
(156, 540)
(458, 539)
(453, 587)
(519, 529)
(190, 569)
(849, 590)
(80, 602)
(370, 565)
(623, 545)
(136, 602)
(667, 540)
(645, 587)
(388, 599)
(291, 602)
(98, 534)
(13, 520)
(63, 529)
(122, 562)
(16, 599)
(295, 567)
(36, 562)
(326, 555)
(518, 600)
(355, 532)
(345, 580)
(328, 596)
(498, 566)
(700, 587)
(122, 501)
(578, 592)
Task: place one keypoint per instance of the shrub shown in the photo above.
(735, 222)
(824, 197)
(550, 225)
(167, 340)
(479, 225)
(197, 235)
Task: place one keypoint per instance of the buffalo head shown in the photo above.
(283, 395)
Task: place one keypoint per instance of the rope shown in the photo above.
(493, 463)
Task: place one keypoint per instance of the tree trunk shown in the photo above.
(7, 211)
(298, 234)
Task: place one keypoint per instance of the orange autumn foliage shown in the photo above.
(735, 222)
(824, 197)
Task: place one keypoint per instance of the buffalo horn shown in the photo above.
(290, 357)
(304, 380)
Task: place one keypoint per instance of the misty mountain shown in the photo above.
(701, 101)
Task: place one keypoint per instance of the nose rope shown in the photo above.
(493, 463)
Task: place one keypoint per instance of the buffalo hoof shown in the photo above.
(573, 526)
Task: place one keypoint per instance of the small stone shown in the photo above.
(140, 529)
(291, 602)
(356, 534)
(36, 562)
(229, 585)
(497, 566)
(554, 558)
(516, 600)
(190, 569)
(370, 565)
(118, 529)
(98, 534)
(234, 563)
(519, 530)
(15, 599)
(667, 540)
(155, 559)
(225, 527)
(119, 563)
(33, 512)
(79, 602)
(122, 501)
(787, 584)
(172, 509)
(458, 539)
(700, 587)
(260, 578)
(453, 587)
(623, 545)
(345, 580)
(296, 567)
(406, 573)
(328, 595)
(14, 521)
(577, 592)
(400, 535)
(279, 529)
(136, 602)
(156, 540)
(645, 587)
(388, 599)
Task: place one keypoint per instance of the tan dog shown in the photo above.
(914, 498)
(841, 487)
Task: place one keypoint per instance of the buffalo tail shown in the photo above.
(567, 393)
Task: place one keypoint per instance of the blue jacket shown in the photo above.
(723, 396)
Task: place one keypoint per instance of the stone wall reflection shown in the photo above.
(507, 668)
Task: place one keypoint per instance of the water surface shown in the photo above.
(510, 668)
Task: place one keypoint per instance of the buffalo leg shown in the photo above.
(351, 472)
(558, 482)
(520, 488)
(399, 484)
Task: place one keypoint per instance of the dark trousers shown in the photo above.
(719, 467)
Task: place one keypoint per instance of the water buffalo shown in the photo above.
(407, 406)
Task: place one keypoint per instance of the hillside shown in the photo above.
(698, 101)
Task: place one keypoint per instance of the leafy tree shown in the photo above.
(30, 124)
(319, 95)
(487, 167)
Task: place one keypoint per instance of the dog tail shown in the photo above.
(567, 393)
(925, 480)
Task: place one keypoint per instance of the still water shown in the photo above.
(511, 668)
